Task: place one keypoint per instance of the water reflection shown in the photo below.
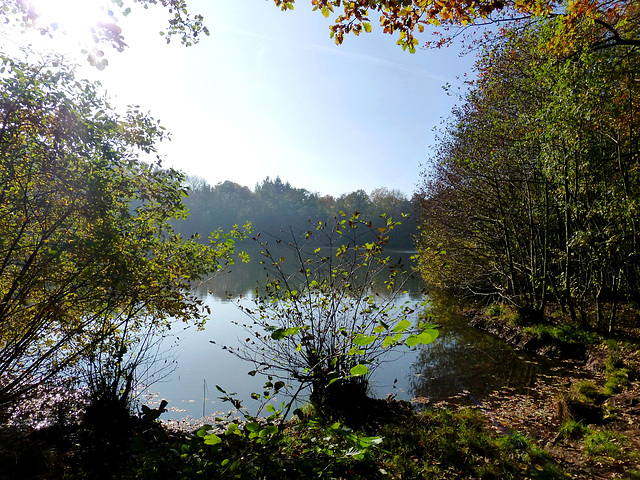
(468, 362)
(462, 362)
(242, 278)
(201, 365)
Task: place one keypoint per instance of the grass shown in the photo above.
(505, 313)
(572, 429)
(617, 373)
(605, 444)
(436, 444)
(563, 332)
(616, 380)
(585, 391)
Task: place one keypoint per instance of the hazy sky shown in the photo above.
(269, 93)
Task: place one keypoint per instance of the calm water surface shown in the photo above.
(463, 363)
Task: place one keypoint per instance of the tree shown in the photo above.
(87, 255)
(357, 201)
(532, 192)
(276, 206)
(599, 23)
(320, 320)
(394, 203)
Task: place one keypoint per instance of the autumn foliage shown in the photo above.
(533, 190)
(599, 22)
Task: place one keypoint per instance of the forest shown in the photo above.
(525, 222)
(532, 194)
(275, 206)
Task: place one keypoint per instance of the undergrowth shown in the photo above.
(436, 444)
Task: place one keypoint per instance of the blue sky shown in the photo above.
(269, 93)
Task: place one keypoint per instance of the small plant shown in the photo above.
(320, 320)
(615, 381)
(258, 448)
(572, 430)
(495, 310)
(612, 345)
(516, 318)
(604, 443)
(530, 460)
(585, 391)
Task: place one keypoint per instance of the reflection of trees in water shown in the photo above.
(463, 358)
(243, 278)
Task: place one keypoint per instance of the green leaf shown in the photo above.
(280, 333)
(202, 431)
(428, 336)
(269, 430)
(252, 426)
(388, 341)
(364, 340)
(270, 408)
(212, 439)
(232, 428)
(412, 341)
(359, 370)
(401, 326)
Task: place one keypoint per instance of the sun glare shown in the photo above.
(73, 18)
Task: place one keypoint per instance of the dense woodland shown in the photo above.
(532, 194)
(274, 206)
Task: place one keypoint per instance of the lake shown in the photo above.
(463, 365)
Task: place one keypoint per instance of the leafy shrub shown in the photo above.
(319, 318)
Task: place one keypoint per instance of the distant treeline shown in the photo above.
(273, 206)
